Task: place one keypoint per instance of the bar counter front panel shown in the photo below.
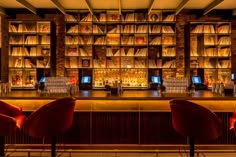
(125, 121)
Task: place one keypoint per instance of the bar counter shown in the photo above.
(136, 117)
(144, 100)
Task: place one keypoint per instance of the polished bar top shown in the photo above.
(127, 95)
(130, 101)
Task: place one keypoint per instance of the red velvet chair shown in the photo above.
(51, 120)
(195, 122)
(232, 122)
(11, 119)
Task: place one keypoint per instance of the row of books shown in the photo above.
(87, 51)
(211, 29)
(29, 27)
(96, 29)
(42, 39)
(32, 51)
(126, 17)
(29, 63)
(210, 63)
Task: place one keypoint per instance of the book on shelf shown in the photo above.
(100, 40)
(31, 40)
(224, 64)
(124, 52)
(97, 29)
(209, 40)
(155, 41)
(72, 51)
(167, 29)
(224, 51)
(170, 17)
(44, 27)
(99, 63)
(127, 40)
(70, 18)
(169, 64)
(223, 29)
(28, 63)
(140, 63)
(154, 28)
(141, 52)
(209, 29)
(19, 51)
(29, 27)
(113, 62)
(112, 52)
(129, 17)
(73, 40)
(33, 51)
(87, 18)
(73, 29)
(43, 62)
(128, 28)
(168, 51)
(116, 29)
(85, 51)
(152, 63)
(113, 17)
(73, 62)
(142, 29)
(224, 40)
(18, 63)
(101, 17)
(197, 29)
(44, 39)
(210, 52)
(16, 39)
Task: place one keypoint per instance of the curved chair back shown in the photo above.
(52, 119)
(195, 121)
(10, 110)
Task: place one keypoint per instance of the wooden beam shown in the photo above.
(151, 6)
(2, 11)
(89, 6)
(181, 6)
(27, 5)
(211, 6)
(120, 7)
(59, 6)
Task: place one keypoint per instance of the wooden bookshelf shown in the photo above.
(210, 51)
(29, 50)
(122, 47)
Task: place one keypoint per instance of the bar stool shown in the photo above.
(51, 120)
(11, 120)
(194, 122)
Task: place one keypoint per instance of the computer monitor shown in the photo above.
(196, 80)
(232, 77)
(156, 79)
(42, 79)
(86, 79)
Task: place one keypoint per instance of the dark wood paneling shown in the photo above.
(115, 128)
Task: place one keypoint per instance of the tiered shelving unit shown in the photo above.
(121, 47)
(29, 50)
(210, 51)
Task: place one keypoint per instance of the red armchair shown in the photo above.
(51, 120)
(11, 119)
(195, 122)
